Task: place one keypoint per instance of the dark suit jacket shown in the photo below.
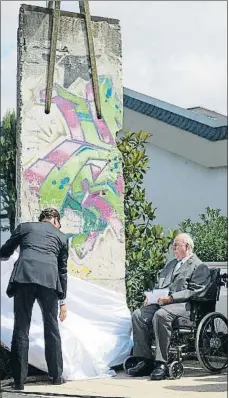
(42, 259)
(188, 282)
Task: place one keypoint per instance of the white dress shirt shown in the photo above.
(181, 262)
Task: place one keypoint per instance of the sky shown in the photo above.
(175, 51)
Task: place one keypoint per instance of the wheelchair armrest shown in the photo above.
(200, 300)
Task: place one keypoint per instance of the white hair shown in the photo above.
(187, 239)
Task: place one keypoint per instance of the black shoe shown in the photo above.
(141, 369)
(58, 381)
(19, 386)
(160, 372)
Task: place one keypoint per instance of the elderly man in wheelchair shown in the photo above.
(182, 322)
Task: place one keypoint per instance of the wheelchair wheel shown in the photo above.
(211, 342)
(130, 362)
(176, 370)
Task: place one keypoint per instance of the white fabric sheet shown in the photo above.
(95, 336)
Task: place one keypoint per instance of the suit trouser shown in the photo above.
(142, 320)
(24, 298)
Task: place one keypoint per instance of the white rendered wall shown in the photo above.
(181, 189)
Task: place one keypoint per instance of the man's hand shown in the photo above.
(165, 300)
(63, 312)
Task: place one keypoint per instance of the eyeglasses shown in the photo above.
(175, 245)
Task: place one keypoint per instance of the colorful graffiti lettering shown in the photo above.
(82, 176)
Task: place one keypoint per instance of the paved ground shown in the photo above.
(194, 382)
(13, 395)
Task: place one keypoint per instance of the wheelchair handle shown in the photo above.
(224, 280)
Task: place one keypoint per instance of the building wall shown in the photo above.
(69, 159)
(181, 189)
(178, 141)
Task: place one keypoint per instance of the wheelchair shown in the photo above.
(202, 335)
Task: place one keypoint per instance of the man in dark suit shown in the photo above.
(183, 278)
(39, 273)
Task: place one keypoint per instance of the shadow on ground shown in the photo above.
(201, 381)
(206, 382)
(214, 387)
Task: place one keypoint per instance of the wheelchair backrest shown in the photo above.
(206, 302)
(213, 289)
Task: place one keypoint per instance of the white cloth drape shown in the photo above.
(95, 336)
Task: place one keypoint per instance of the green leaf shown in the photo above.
(146, 244)
(210, 235)
(8, 165)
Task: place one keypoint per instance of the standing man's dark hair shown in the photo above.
(40, 273)
(48, 214)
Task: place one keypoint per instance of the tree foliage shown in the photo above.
(8, 167)
(146, 242)
(210, 235)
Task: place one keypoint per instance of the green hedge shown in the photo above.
(210, 235)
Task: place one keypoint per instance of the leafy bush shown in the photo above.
(8, 167)
(210, 235)
(146, 243)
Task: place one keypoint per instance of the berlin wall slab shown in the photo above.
(68, 159)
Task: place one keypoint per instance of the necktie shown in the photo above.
(179, 264)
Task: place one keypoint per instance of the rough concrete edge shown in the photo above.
(28, 7)
(123, 279)
(54, 394)
(19, 115)
(7, 384)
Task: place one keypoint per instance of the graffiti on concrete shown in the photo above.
(69, 159)
(82, 175)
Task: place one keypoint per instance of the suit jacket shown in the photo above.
(188, 282)
(42, 259)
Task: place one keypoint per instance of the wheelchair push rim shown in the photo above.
(211, 342)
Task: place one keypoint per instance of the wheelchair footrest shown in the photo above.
(177, 349)
(172, 349)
